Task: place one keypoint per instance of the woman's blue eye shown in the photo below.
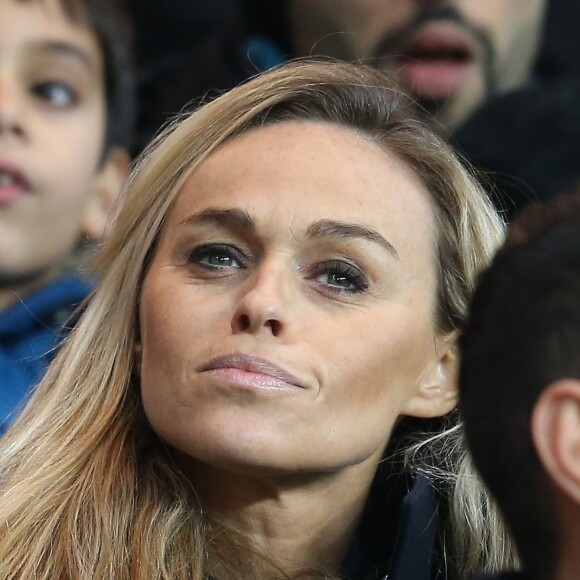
(57, 94)
(340, 277)
(214, 257)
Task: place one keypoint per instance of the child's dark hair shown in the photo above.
(111, 25)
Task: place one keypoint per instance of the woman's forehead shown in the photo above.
(290, 183)
(308, 170)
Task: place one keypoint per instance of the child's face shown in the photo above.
(52, 130)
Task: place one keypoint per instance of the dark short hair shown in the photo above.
(111, 25)
(523, 334)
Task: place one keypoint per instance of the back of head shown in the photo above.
(523, 334)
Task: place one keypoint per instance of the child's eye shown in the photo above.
(340, 277)
(217, 257)
(57, 93)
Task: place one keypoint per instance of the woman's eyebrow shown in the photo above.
(331, 228)
(232, 218)
(239, 219)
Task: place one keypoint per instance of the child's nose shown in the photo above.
(10, 109)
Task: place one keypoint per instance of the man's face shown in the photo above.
(451, 55)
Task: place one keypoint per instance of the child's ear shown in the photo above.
(555, 427)
(108, 184)
(437, 392)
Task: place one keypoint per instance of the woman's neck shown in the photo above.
(301, 522)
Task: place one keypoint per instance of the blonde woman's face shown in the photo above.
(287, 315)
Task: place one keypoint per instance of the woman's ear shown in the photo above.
(109, 182)
(437, 391)
(555, 428)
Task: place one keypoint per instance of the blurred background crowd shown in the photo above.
(525, 136)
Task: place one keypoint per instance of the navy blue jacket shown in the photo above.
(397, 537)
(30, 331)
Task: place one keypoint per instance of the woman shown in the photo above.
(277, 310)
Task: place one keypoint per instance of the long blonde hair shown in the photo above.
(87, 490)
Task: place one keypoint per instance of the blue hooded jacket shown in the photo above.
(30, 331)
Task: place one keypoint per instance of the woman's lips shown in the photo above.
(250, 371)
(436, 61)
(13, 184)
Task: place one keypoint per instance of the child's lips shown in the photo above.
(13, 183)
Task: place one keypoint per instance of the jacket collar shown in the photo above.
(62, 294)
(397, 537)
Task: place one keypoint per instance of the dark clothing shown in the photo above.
(397, 538)
(527, 141)
(29, 335)
(189, 50)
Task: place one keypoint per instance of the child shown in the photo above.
(64, 113)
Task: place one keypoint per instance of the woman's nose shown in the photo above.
(266, 303)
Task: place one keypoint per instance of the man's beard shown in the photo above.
(391, 45)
